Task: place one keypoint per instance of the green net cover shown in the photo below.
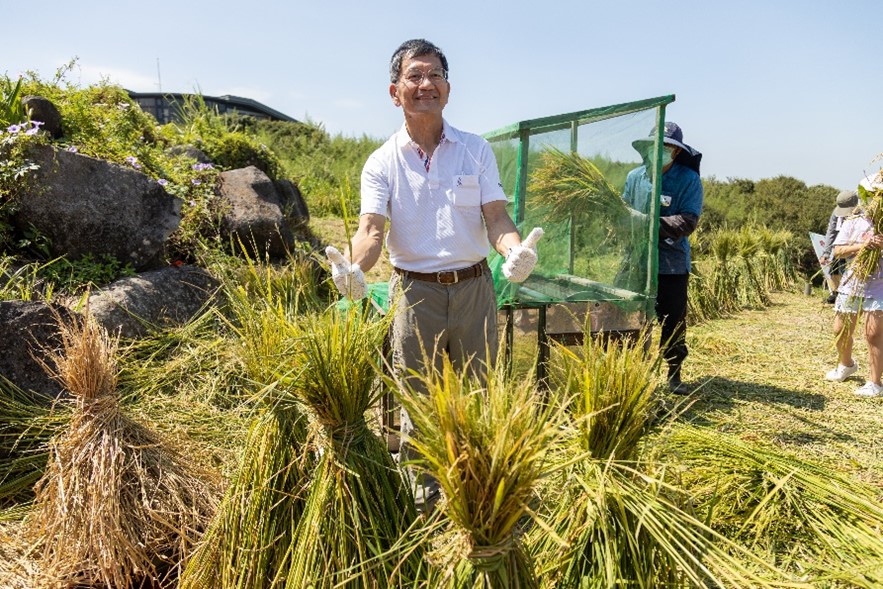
(598, 245)
(601, 249)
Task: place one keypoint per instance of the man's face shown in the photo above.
(421, 89)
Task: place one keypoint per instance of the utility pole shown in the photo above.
(158, 77)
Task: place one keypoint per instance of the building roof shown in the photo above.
(235, 103)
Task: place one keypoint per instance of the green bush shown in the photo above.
(237, 150)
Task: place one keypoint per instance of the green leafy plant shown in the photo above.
(11, 109)
(75, 276)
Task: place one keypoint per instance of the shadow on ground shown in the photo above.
(722, 395)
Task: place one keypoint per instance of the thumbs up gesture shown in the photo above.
(348, 278)
(522, 258)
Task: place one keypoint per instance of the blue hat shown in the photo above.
(671, 135)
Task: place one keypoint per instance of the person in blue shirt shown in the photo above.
(679, 209)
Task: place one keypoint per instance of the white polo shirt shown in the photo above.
(435, 216)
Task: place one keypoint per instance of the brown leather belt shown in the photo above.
(447, 276)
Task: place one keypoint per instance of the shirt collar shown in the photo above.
(449, 134)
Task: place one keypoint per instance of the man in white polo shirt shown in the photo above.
(440, 189)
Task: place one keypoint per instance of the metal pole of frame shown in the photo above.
(542, 347)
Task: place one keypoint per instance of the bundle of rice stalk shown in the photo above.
(610, 385)
(867, 260)
(357, 507)
(567, 185)
(26, 426)
(821, 520)
(116, 506)
(613, 523)
(487, 445)
(620, 526)
(248, 543)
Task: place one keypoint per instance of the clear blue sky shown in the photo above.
(763, 87)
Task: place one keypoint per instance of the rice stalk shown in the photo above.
(623, 527)
(357, 507)
(610, 384)
(18, 569)
(247, 545)
(26, 426)
(567, 185)
(867, 261)
(195, 360)
(116, 506)
(775, 502)
(612, 522)
(487, 444)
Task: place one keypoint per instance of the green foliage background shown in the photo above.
(782, 202)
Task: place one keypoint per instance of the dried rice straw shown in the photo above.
(117, 506)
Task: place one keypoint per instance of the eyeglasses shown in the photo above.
(416, 77)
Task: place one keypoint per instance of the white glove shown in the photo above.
(349, 279)
(522, 258)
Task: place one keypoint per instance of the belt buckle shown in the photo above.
(438, 277)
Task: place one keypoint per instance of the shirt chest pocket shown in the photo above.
(466, 191)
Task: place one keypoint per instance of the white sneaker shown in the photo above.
(869, 389)
(842, 372)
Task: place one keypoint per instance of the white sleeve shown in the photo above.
(375, 189)
(489, 178)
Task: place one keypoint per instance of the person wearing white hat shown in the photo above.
(846, 201)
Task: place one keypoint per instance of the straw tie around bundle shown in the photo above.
(492, 557)
(348, 434)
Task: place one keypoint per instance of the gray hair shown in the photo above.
(409, 50)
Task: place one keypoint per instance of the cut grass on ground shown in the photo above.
(762, 378)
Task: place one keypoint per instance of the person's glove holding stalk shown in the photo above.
(348, 278)
(522, 258)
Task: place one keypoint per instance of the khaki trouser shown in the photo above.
(431, 319)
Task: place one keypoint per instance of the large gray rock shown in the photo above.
(43, 110)
(27, 329)
(294, 207)
(171, 296)
(253, 213)
(89, 206)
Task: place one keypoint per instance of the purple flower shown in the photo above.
(131, 159)
(37, 123)
(136, 166)
(73, 149)
(162, 181)
(192, 203)
(196, 181)
(32, 131)
(13, 129)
